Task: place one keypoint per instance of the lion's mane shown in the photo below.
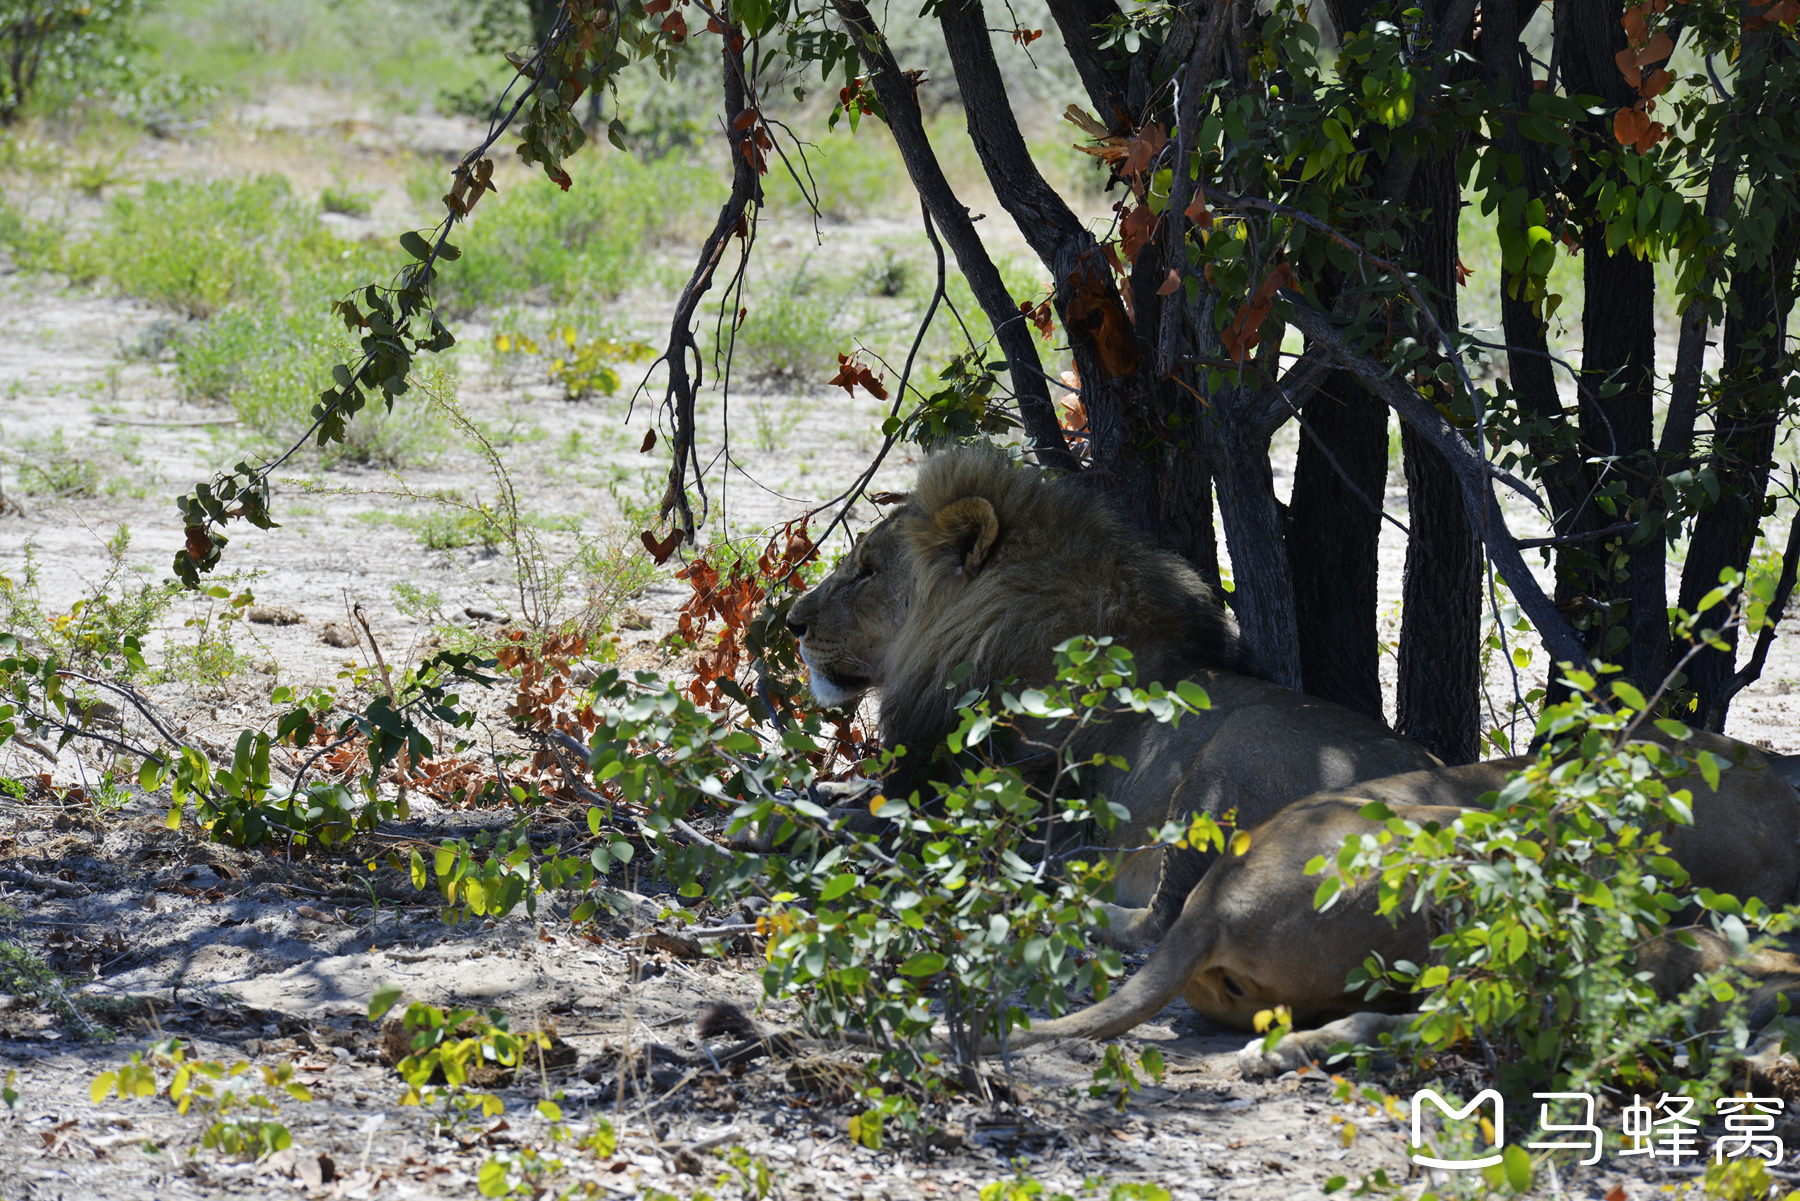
(1009, 561)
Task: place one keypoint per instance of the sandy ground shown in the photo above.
(247, 956)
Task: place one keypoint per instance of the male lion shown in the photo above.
(993, 564)
(1248, 938)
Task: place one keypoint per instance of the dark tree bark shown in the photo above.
(1627, 619)
(1333, 533)
(1743, 445)
(1332, 542)
(1438, 698)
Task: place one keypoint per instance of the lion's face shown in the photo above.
(846, 624)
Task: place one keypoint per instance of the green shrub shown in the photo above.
(74, 45)
(535, 241)
(792, 333)
(197, 247)
(340, 197)
(1545, 901)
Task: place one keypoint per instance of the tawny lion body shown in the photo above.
(994, 564)
(1248, 938)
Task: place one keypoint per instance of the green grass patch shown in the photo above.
(795, 327)
(537, 242)
(402, 53)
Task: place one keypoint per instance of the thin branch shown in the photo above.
(1623, 527)
(1473, 471)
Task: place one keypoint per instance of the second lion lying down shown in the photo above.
(1249, 939)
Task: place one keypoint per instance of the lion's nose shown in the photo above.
(796, 627)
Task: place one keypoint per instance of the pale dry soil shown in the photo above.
(250, 956)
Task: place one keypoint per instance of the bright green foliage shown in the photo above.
(69, 44)
(453, 1044)
(215, 1090)
(1545, 900)
(976, 905)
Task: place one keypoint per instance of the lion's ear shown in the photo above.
(965, 529)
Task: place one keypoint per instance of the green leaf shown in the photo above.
(837, 886)
(1193, 694)
(382, 1000)
(1518, 1168)
(1630, 695)
(418, 247)
(491, 1179)
(925, 963)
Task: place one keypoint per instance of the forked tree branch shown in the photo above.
(1752, 671)
(1472, 472)
(678, 397)
(900, 103)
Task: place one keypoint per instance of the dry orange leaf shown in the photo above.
(1197, 212)
(1170, 284)
(1629, 126)
(1136, 229)
(1143, 148)
(1660, 47)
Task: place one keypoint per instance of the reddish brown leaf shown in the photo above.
(1197, 212)
(660, 551)
(1462, 274)
(1627, 60)
(649, 443)
(1170, 284)
(1656, 84)
(1660, 47)
(675, 27)
(199, 543)
(1143, 148)
(1629, 125)
(1618, 1192)
(659, 6)
(1633, 21)
(1136, 229)
(744, 120)
(713, 26)
(872, 383)
(1039, 316)
(1651, 137)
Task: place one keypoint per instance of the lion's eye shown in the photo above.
(865, 571)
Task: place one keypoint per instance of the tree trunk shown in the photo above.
(1332, 542)
(1437, 700)
(1262, 598)
(1743, 445)
(1621, 578)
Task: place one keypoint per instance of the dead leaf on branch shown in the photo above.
(1143, 149)
(1245, 330)
(853, 373)
(661, 550)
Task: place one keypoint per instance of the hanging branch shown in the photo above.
(736, 220)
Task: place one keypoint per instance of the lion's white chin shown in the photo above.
(824, 691)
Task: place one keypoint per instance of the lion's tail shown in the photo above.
(1188, 945)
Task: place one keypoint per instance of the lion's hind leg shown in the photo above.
(1302, 1048)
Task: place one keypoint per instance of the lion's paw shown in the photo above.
(1302, 1048)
